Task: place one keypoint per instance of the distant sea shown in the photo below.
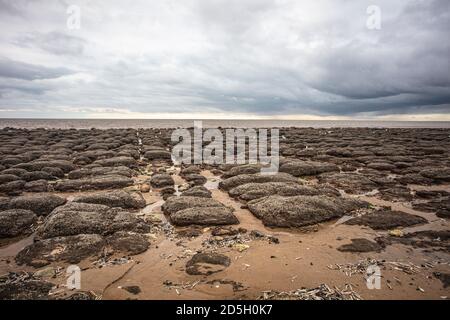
(175, 123)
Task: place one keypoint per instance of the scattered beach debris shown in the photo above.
(322, 292)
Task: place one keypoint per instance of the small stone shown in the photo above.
(132, 289)
(240, 247)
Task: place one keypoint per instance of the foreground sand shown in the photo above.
(374, 172)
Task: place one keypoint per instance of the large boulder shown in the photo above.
(118, 198)
(298, 211)
(15, 222)
(40, 204)
(204, 216)
(78, 218)
(241, 179)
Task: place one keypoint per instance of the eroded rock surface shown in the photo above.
(82, 218)
(298, 211)
(118, 198)
(15, 222)
(387, 219)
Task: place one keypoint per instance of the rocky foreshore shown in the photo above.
(138, 226)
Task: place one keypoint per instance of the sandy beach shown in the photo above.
(112, 202)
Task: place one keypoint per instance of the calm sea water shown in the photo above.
(174, 123)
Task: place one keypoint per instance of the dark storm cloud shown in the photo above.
(257, 57)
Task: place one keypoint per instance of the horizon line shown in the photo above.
(233, 119)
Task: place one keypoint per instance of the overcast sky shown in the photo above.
(225, 59)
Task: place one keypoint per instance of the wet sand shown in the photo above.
(303, 257)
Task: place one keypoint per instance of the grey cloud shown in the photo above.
(26, 71)
(53, 42)
(261, 57)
